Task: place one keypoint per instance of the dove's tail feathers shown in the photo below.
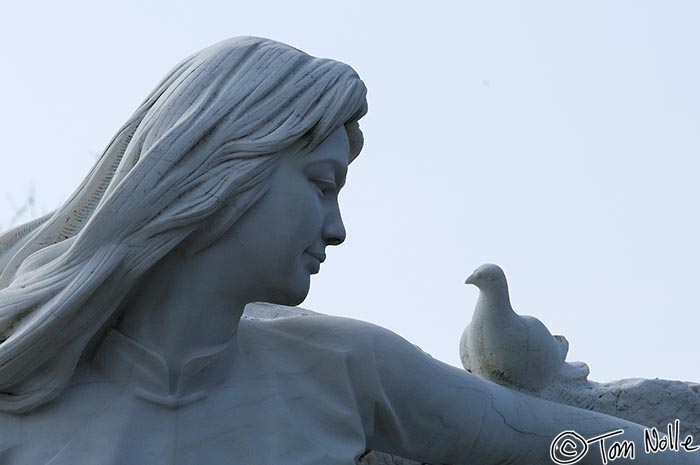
(573, 371)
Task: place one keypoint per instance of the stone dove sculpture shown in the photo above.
(504, 347)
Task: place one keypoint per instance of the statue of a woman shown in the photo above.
(120, 312)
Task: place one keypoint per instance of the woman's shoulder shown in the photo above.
(295, 326)
(306, 328)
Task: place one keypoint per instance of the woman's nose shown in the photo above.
(334, 229)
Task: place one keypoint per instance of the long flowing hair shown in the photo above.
(193, 157)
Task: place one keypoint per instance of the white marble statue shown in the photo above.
(499, 343)
(121, 337)
(519, 352)
(507, 348)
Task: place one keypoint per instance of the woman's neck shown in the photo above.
(177, 310)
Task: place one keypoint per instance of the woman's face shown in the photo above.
(271, 251)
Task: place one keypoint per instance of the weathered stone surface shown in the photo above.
(649, 402)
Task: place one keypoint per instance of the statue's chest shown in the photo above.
(271, 421)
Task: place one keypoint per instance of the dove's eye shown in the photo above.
(490, 278)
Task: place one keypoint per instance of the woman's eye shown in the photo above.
(323, 185)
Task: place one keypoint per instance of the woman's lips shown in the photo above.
(318, 258)
(321, 257)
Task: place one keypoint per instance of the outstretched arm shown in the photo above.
(428, 411)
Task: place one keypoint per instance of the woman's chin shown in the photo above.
(288, 300)
(291, 296)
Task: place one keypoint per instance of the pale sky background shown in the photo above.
(559, 139)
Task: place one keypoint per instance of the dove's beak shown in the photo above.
(471, 279)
